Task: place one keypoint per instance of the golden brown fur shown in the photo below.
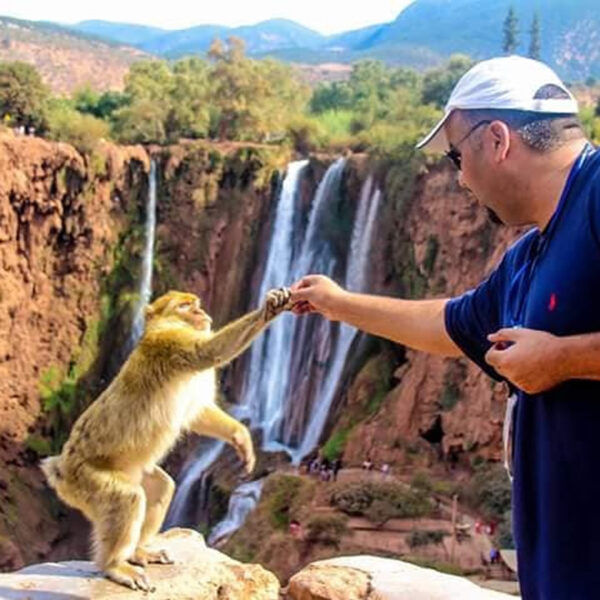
(108, 467)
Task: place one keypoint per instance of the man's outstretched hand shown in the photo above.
(530, 359)
(317, 294)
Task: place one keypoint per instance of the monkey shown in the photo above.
(108, 467)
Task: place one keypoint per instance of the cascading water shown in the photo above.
(355, 281)
(241, 503)
(145, 290)
(296, 366)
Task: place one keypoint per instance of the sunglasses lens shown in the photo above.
(454, 155)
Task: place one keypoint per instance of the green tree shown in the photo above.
(511, 32)
(334, 95)
(535, 45)
(23, 95)
(143, 121)
(189, 110)
(251, 99)
(438, 83)
(103, 105)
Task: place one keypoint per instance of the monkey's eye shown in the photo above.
(185, 305)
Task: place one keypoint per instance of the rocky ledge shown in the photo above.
(201, 573)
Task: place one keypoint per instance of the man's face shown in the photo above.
(479, 172)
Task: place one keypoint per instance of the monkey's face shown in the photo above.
(191, 312)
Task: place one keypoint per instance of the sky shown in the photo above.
(324, 16)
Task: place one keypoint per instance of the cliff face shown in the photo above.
(59, 221)
(71, 238)
(438, 243)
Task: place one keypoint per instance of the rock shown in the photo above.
(374, 578)
(198, 573)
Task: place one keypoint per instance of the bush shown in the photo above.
(282, 492)
(380, 501)
(327, 529)
(65, 124)
(418, 537)
(489, 491)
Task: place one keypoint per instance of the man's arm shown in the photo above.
(536, 361)
(418, 324)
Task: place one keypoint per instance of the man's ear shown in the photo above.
(500, 134)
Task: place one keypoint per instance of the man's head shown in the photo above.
(502, 117)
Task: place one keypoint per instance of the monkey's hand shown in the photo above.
(277, 301)
(242, 442)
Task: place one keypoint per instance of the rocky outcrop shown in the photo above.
(374, 578)
(437, 243)
(60, 218)
(198, 572)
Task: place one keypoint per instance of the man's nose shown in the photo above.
(461, 180)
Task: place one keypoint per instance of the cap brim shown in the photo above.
(436, 140)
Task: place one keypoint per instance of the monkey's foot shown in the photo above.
(143, 556)
(129, 576)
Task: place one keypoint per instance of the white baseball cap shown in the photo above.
(508, 82)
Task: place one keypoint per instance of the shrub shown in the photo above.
(418, 537)
(380, 501)
(327, 529)
(282, 493)
(83, 131)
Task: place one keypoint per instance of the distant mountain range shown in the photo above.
(66, 59)
(423, 35)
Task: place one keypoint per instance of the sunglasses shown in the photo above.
(454, 154)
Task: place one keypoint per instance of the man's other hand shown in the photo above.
(530, 359)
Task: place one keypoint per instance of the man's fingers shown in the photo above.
(506, 335)
(494, 357)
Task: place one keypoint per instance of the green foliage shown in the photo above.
(590, 119)
(102, 106)
(327, 529)
(489, 491)
(380, 501)
(281, 494)
(510, 32)
(23, 95)
(66, 124)
(535, 44)
(505, 535)
(334, 447)
(143, 121)
(59, 397)
(418, 537)
(331, 97)
(438, 83)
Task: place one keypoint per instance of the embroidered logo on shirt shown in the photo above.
(552, 302)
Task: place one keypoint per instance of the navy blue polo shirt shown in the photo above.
(550, 281)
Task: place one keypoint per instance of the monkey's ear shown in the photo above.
(149, 312)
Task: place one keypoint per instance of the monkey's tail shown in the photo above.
(51, 468)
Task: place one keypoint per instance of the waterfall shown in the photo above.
(183, 508)
(241, 503)
(145, 290)
(295, 368)
(356, 280)
(271, 361)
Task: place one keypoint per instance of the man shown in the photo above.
(510, 127)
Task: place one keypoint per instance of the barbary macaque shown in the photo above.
(108, 468)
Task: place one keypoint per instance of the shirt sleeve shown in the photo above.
(470, 318)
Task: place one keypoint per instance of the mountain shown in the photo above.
(274, 34)
(570, 31)
(66, 59)
(125, 33)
